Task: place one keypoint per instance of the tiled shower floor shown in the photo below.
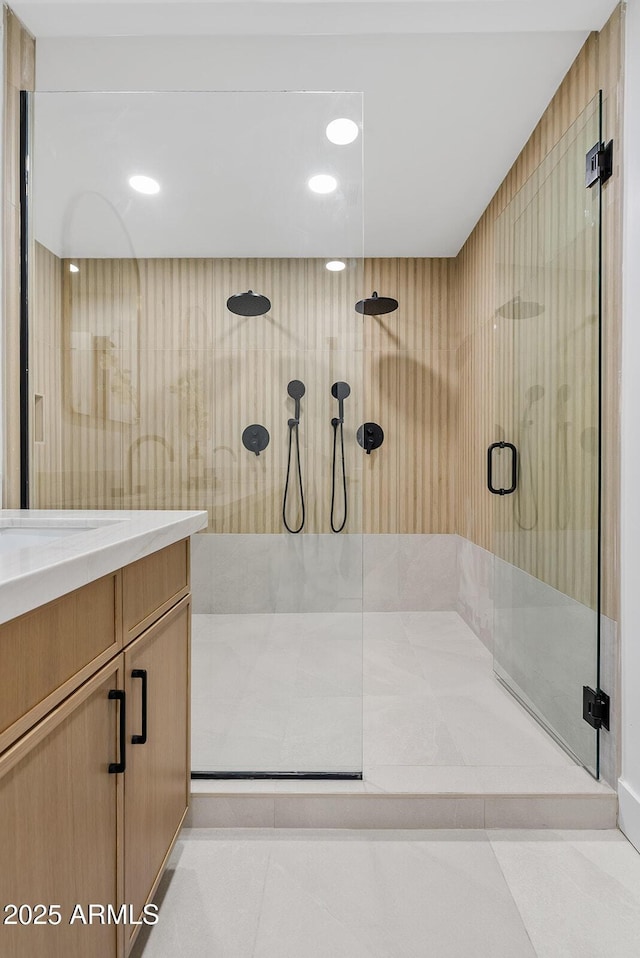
(283, 691)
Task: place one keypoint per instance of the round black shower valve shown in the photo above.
(255, 438)
(370, 436)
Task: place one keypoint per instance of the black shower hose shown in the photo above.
(293, 425)
(338, 423)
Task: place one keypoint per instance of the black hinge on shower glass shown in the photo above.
(599, 163)
(595, 707)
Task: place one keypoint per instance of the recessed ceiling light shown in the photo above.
(342, 131)
(335, 265)
(144, 184)
(323, 183)
(73, 268)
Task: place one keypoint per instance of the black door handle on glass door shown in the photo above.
(514, 468)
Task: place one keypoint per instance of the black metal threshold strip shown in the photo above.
(311, 776)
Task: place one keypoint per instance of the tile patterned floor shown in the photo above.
(409, 692)
(397, 894)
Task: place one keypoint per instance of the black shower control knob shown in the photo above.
(255, 438)
(370, 436)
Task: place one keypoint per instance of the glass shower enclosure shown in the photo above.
(188, 345)
(545, 460)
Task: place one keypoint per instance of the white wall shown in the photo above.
(2, 316)
(629, 786)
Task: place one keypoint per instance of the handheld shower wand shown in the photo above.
(296, 391)
(339, 391)
(525, 506)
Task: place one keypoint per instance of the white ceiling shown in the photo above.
(79, 18)
(447, 108)
(233, 169)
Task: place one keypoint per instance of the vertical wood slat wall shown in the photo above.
(160, 379)
(19, 67)
(546, 373)
(598, 66)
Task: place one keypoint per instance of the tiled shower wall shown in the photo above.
(324, 573)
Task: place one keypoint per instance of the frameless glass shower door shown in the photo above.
(190, 349)
(544, 464)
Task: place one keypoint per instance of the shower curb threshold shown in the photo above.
(579, 802)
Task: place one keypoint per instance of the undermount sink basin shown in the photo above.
(24, 533)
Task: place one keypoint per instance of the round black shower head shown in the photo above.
(518, 308)
(340, 390)
(248, 304)
(376, 305)
(296, 389)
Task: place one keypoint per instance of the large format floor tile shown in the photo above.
(579, 895)
(397, 894)
(329, 691)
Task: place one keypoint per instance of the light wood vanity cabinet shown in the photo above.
(72, 831)
(152, 585)
(156, 783)
(59, 818)
(47, 653)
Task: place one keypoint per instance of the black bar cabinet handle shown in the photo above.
(115, 767)
(514, 468)
(142, 738)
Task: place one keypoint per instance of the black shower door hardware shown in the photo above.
(599, 164)
(116, 768)
(595, 707)
(141, 738)
(370, 436)
(255, 438)
(514, 468)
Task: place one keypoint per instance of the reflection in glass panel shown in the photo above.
(150, 381)
(547, 405)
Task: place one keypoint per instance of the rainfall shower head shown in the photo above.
(248, 304)
(376, 305)
(518, 308)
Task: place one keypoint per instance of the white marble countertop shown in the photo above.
(92, 544)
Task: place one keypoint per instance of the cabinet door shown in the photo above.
(59, 825)
(158, 772)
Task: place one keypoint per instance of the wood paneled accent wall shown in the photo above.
(159, 380)
(411, 389)
(598, 66)
(46, 378)
(19, 69)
